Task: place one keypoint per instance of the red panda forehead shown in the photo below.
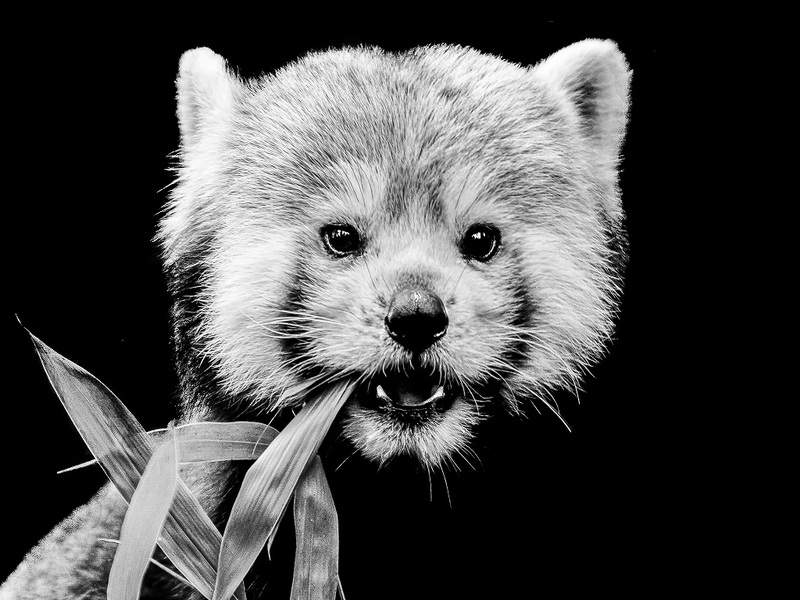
(309, 128)
(422, 198)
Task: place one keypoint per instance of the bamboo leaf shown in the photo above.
(269, 484)
(217, 441)
(143, 522)
(339, 588)
(190, 541)
(212, 441)
(88, 463)
(316, 562)
(109, 430)
(161, 566)
(123, 448)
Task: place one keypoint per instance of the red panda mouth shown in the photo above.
(408, 393)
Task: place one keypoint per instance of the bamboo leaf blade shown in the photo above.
(143, 521)
(153, 561)
(269, 484)
(212, 441)
(192, 542)
(316, 563)
(113, 435)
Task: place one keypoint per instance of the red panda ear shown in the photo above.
(593, 77)
(205, 93)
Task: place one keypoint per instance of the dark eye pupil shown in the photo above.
(340, 240)
(480, 242)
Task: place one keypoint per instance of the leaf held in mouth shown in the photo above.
(270, 483)
(316, 562)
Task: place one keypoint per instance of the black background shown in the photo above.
(618, 505)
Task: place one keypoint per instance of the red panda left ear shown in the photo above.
(593, 77)
(205, 94)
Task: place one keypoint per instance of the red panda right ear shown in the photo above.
(205, 94)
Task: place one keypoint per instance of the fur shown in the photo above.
(410, 150)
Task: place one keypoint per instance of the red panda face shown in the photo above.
(441, 225)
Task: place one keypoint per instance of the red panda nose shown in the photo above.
(416, 318)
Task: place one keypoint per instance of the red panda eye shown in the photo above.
(340, 240)
(480, 242)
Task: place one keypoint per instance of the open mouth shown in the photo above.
(415, 412)
(407, 395)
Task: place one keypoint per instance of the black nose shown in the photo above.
(416, 318)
